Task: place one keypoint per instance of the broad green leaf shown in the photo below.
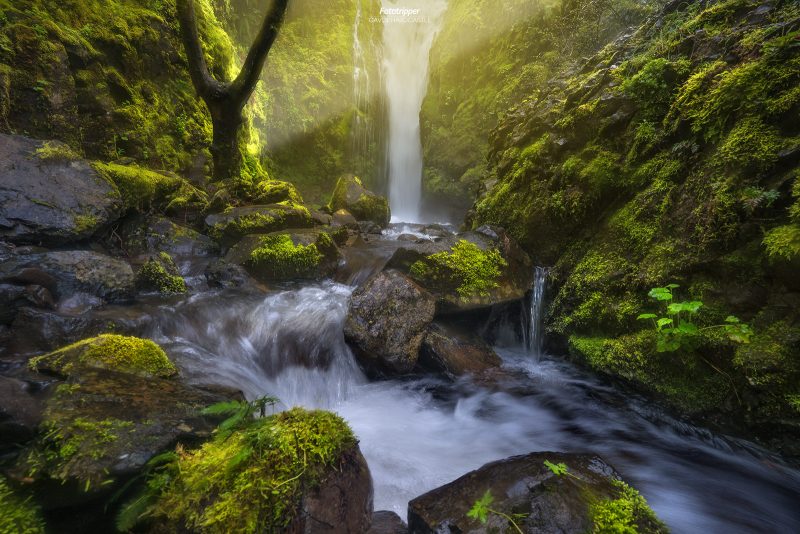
(687, 328)
(480, 510)
(664, 321)
(646, 316)
(673, 286)
(731, 319)
(660, 293)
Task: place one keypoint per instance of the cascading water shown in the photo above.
(533, 335)
(407, 42)
(418, 434)
(365, 90)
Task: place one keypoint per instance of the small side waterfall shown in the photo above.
(534, 337)
(363, 131)
(409, 30)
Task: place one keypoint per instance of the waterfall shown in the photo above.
(409, 30)
(362, 131)
(533, 334)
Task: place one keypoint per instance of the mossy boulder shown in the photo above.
(297, 471)
(103, 425)
(351, 195)
(67, 273)
(49, 195)
(148, 235)
(159, 274)
(287, 255)
(235, 223)
(18, 515)
(274, 192)
(108, 351)
(387, 319)
(589, 497)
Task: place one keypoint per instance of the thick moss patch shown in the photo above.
(252, 480)
(626, 514)
(18, 515)
(160, 274)
(278, 257)
(108, 351)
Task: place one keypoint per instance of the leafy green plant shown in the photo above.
(239, 412)
(482, 508)
(675, 326)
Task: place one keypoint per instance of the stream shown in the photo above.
(422, 432)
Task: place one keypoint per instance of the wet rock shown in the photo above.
(65, 273)
(36, 330)
(525, 488)
(344, 218)
(351, 195)
(320, 218)
(455, 353)
(386, 322)
(384, 522)
(222, 274)
(288, 255)
(342, 502)
(20, 413)
(103, 426)
(146, 236)
(49, 196)
(232, 225)
(369, 227)
(160, 275)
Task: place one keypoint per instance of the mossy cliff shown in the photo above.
(670, 156)
(487, 58)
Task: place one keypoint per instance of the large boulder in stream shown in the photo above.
(119, 406)
(386, 321)
(468, 271)
(49, 195)
(233, 224)
(542, 492)
(455, 353)
(293, 254)
(351, 195)
(149, 235)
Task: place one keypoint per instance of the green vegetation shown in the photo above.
(249, 478)
(18, 515)
(51, 151)
(466, 269)
(482, 508)
(109, 351)
(279, 258)
(160, 274)
(626, 514)
(350, 194)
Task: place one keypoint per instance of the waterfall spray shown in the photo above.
(408, 37)
(534, 337)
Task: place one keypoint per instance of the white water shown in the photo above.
(362, 131)
(534, 337)
(421, 433)
(407, 42)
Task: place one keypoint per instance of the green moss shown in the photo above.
(111, 351)
(626, 514)
(769, 361)
(85, 223)
(783, 242)
(351, 195)
(140, 188)
(18, 515)
(466, 269)
(274, 191)
(56, 152)
(253, 480)
(160, 274)
(750, 146)
(277, 257)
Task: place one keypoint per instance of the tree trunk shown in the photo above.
(226, 120)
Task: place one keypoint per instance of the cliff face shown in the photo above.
(670, 157)
(489, 56)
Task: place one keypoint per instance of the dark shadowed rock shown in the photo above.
(145, 236)
(50, 197)
(384, 522)
(232, 225)
(386, 321)
(544, 501)
(455, 353)
(343, 501)
(65, 273)
(20, 413)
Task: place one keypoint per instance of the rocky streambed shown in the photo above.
(120, 326)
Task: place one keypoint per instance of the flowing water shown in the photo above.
(407, 41)
(534, 338)
(420, 433)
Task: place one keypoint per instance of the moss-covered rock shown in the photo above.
(18, 515)
(351, 195)
(108, 351)
(288, 255)
(235, 223)
(261, 478)
(160, 274)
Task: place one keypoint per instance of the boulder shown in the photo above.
(385, 522)
(481, 269)
(351, 195)
(13, 297)
(344, 218)
(235, 223)
(20, 413)
(222, 274)
(455, 353)
(65, 273)
(36, 330)
(146, 236)
(49, 195)
(159, 274)
(386, 321)
(288, 255)
(588, 497)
